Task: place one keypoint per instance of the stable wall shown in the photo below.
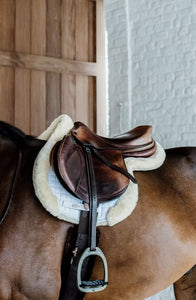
(52, 61)
(152, 67)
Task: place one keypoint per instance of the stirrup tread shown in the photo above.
(93, 283)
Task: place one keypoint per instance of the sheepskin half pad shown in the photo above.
(62, 204)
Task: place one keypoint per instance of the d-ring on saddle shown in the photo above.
(93, 169)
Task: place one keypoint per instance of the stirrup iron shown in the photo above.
(92, 285)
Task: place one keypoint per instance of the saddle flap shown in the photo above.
(68, 161)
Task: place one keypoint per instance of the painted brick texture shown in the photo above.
(152, 71)
(152, 68)
(118, 82)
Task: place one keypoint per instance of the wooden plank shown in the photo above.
(38, 27)
(7, 22)
(92, 31)
(82, 107)
(53, 96)
(7, 11)
(38, 105)
(68, 88)
(82, 30)
(53, 27)
(23, 26)
(22, 77)
(68, 20)
(53, 48)
(38, 78)
(47, 64)
(92, 103)
(82, 54)
(22, 100)
(7, 95)
(92, 58)
(68, 84)
(102, 107)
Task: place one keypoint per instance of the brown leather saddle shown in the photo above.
(107, 154)
(92, 167)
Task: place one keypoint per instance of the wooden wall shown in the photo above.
(51, 62)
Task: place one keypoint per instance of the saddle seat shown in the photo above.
(135, 142)
(68, 159)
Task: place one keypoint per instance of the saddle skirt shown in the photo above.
(111, 212)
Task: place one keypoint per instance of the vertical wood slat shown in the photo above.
(92, 58)
(68, 95)
(22, 77)
(68, 19)
(101, 110)
(92, 31)
(38, 78)
(53, 28)
(92, 118)
(68, 82)
(82, 109)
(53, 48)
(7, 94)
(7, 22)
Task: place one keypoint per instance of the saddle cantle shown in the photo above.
(111, 176)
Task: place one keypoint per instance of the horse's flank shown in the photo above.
(147, 252)
(32, 241)
(156, 245)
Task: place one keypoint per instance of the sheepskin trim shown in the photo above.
(57, 129)
(55, 132)
(128, 200)
(126, 203)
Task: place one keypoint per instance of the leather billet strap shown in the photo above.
(12, 188)
(69, 289)
(87, 236)
(92, 190)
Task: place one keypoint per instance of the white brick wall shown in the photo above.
(118, 66)
(152, 71)
(152, 67)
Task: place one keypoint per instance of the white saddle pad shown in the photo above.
(62, 204)
(70, 206)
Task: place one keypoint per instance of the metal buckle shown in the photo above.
(92, 285)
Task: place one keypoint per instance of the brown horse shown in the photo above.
(147, 252)
(185, 287)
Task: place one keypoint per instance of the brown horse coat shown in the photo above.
(157, 244)
(185, 287)
(147, 252)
